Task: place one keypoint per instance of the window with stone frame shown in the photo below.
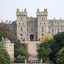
(42, 18)
(40, 23)
(23, 23)
(19, 23)
(21, 34)
(58, 29)
(44, 23)
(27, 29)
(31, 29)
(21, 18)
(42, 29)
(42, 34)
(52, 30)
(52, 24)
(21, 29)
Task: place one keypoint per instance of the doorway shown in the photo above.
(31, 37)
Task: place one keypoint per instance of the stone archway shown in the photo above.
(31, 37)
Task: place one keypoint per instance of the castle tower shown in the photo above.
(21, 25)
(42, 23)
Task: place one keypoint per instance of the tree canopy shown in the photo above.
(52, 48)
(46, 38)
(60, 56)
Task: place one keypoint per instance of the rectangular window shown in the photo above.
(42, 34)
(32, 29)
(19, 23)
(42, 29)
(23, 23)
(21, 34)
(58, 29)
(21, 29)
(21, 18)
(42, 18)
(52, 30)
(40, 23)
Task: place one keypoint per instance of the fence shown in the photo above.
(32, 62)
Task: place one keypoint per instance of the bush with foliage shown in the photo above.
(20, 52)
(4, 57)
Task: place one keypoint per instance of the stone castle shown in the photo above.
(34, 28)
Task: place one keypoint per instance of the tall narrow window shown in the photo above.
(23, 23)
(21, 34)
(52, 24)
(32, 29)
(19, 23)
(42, 18)
(58, 29)
(42, 34)
(52, 30)
(21, 29)
(21, 18)
(27, 29)
(42, 29)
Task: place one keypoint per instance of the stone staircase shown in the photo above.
(32, 50)
(31, 42)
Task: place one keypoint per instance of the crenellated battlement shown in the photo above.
(22, 12)
(42, 13)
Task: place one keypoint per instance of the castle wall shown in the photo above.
(56, 26)
(37, 27)
(32, 29)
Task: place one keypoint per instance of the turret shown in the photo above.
(42, 23)
(21, 24)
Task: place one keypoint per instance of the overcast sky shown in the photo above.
(8, 8)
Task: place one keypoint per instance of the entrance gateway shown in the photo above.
(31, 37)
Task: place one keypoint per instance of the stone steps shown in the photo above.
(32, 50)
(31, 42)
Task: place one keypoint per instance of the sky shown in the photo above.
(8, 8)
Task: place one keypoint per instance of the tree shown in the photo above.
(4, 57)
(59, 38)
(56, 44)
(43, 53)
(46, 38)
(60, 56)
